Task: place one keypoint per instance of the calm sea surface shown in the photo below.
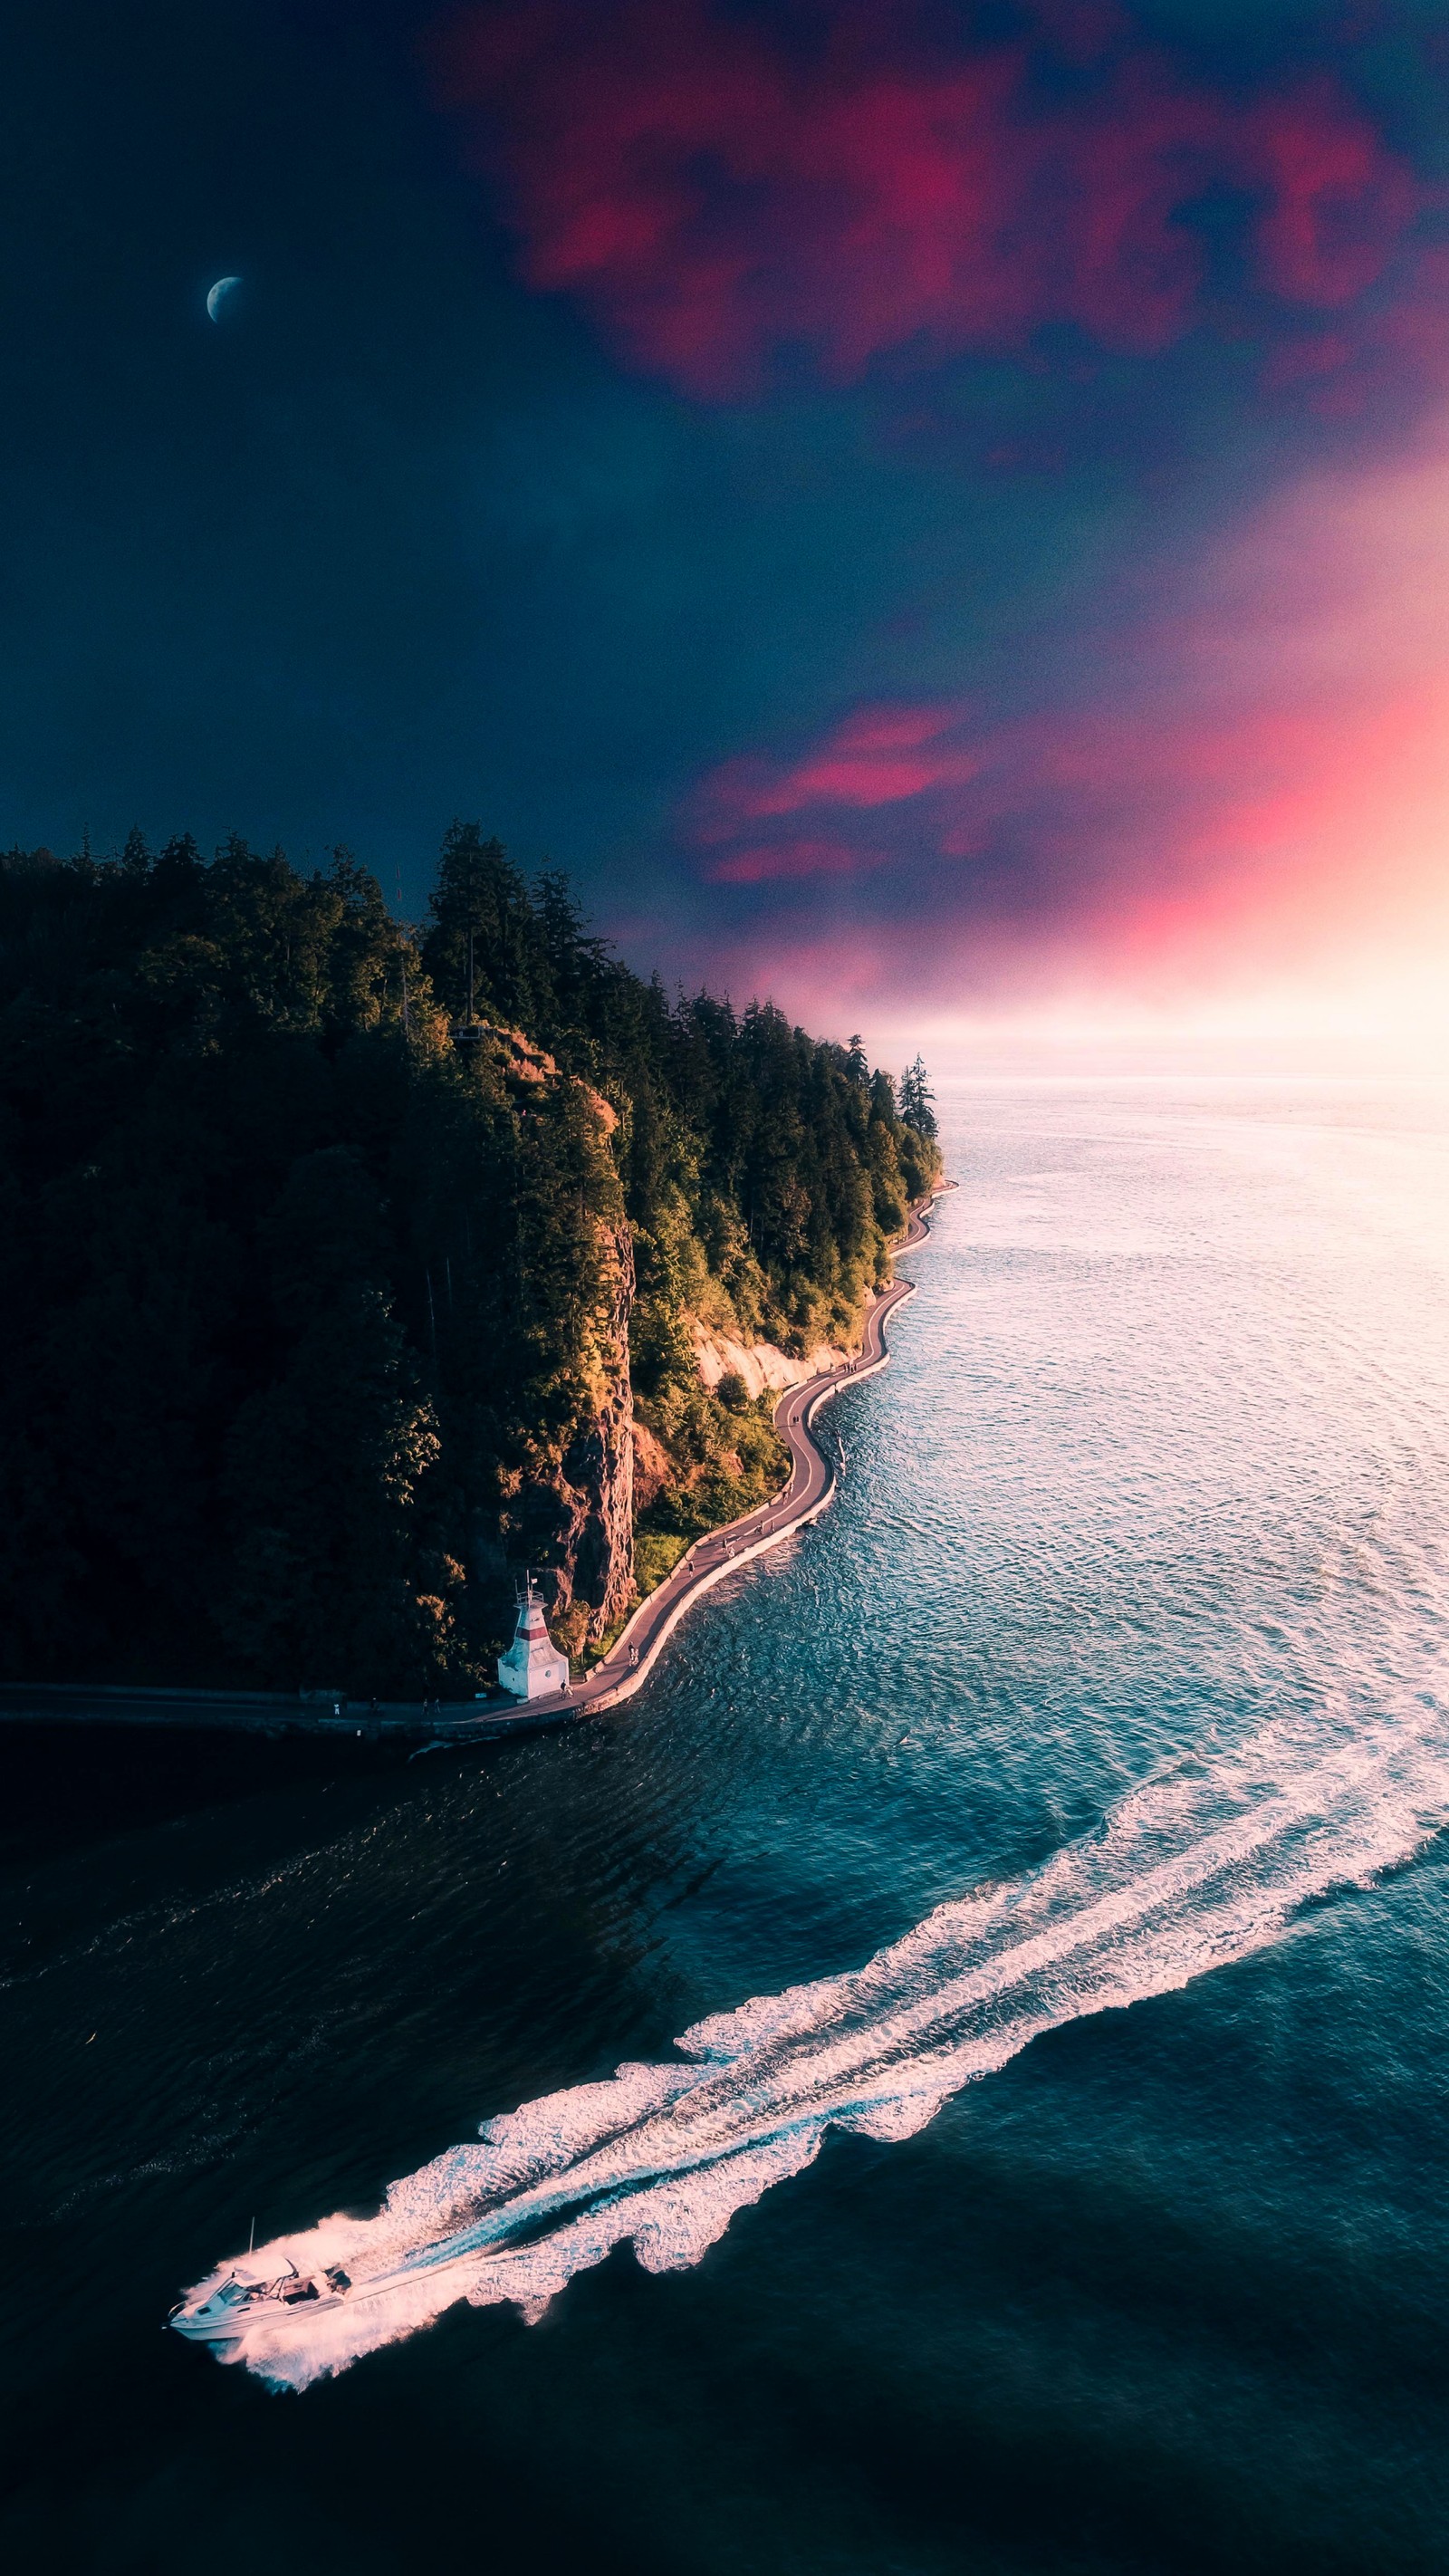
(1099, 2226)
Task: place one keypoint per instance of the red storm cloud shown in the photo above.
(718, 190)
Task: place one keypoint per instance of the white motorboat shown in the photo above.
(231, 2304)
(251, 2297)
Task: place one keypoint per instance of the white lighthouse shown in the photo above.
(533, 1665)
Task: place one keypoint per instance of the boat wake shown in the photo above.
(1193, 1869)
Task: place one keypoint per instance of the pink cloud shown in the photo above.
(1404, 339)
(717, 189)
(1333, 197)
(773, 861)
(1260, 770)
(880, 755)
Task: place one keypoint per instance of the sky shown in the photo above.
(936, 512)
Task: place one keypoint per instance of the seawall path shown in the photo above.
(809, 1489)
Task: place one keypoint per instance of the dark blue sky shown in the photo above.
(435, 522)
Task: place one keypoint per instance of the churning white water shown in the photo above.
(1190, 1871)
(1209, 1354)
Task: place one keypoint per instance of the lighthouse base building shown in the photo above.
(533, 1665)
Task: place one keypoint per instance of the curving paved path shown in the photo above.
(710, 1559)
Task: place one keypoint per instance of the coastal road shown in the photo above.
(623, 1669)
(710, 1559)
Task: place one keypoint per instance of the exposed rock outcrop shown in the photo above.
(579, 1527)
(652, 1467)
(718, 1354)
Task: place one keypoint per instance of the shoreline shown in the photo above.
(607, 1684)
(810, 1489)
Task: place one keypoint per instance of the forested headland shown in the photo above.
(330, 1298)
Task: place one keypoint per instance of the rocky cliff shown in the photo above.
(762, 1366)
(577, 1524)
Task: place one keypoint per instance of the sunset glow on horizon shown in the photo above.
(1197, 781)
(1236, 832)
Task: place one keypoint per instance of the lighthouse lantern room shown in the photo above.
(533, 1665)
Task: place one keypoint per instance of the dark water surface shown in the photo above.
(1124, 1644)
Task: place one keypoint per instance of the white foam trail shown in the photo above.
(1189, 1871)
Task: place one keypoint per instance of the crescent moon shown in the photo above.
(217, 295)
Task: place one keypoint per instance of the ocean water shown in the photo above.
(954, 2077)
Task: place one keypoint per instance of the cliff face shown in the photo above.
(579, 1525)
(760, 1364)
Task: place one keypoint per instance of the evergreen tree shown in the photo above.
(917, 1101)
